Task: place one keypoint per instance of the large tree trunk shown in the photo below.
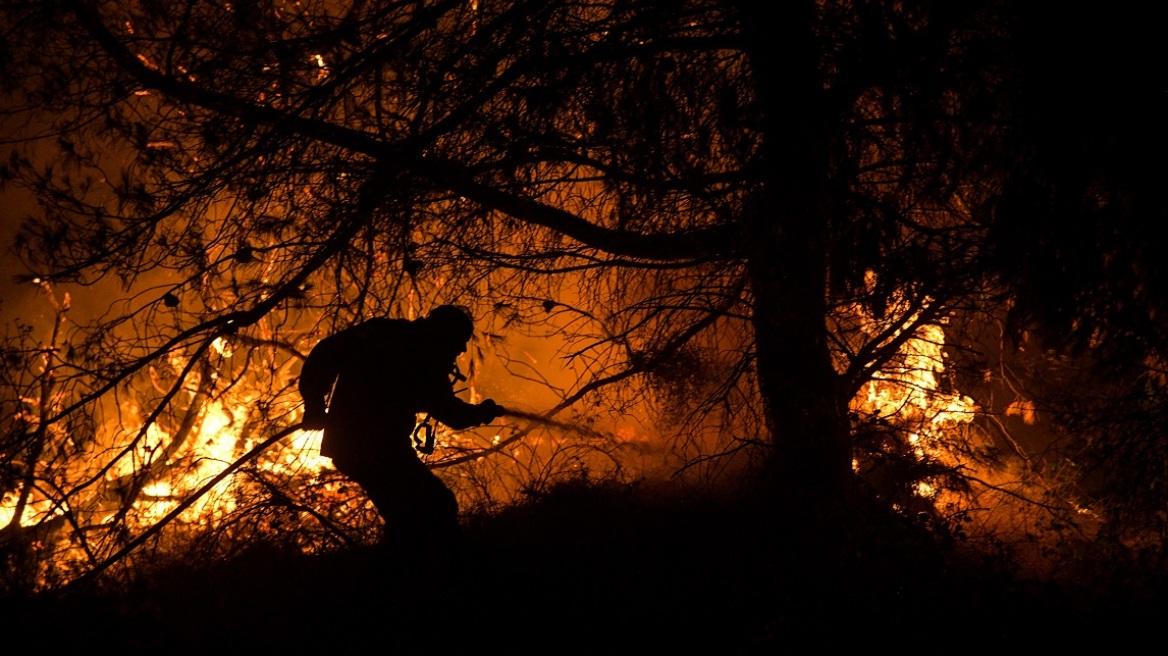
(786, 235)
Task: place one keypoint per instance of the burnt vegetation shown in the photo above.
(873, 285)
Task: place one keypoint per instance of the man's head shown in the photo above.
(450, 325)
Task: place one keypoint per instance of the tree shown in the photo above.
(1072, 232)
(740, 219)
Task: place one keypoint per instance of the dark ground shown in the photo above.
(603, 570)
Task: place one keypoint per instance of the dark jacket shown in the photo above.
(381, 374)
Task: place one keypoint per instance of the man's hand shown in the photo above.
(314, 419)
(490, 411)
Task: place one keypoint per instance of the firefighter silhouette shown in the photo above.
(365, 387)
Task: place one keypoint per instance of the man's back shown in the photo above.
(375, 363)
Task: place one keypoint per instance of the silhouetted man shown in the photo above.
(373, 379)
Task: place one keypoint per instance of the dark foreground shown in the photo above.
(604, 571)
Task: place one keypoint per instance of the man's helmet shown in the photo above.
(451, 321)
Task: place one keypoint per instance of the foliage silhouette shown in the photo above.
(797, 207)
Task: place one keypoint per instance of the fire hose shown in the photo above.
(547, 421)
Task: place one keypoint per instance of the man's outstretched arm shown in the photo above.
(458, 414)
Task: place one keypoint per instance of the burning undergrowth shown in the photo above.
(199, 458)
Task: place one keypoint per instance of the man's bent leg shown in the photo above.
(429, 514)
(417, 507)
